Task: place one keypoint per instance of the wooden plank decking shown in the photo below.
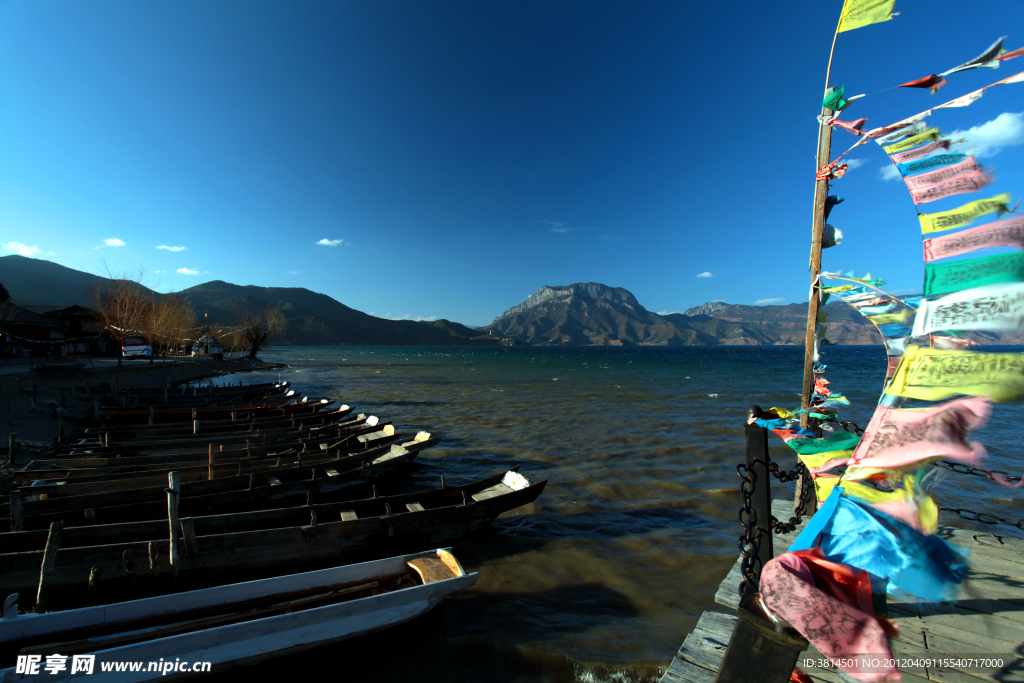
(987, 620)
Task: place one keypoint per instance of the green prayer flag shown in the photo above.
(834, 100)
(943, 278)
(840, 442)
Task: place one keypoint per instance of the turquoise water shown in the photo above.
(605, 574)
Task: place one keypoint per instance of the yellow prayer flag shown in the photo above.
(887, 318)
(857, 13)
(937, 374)
(927, 136)
(962, 215)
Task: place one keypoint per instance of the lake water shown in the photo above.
(601, 578)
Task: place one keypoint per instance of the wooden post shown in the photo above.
(195, 426)
(11, 440)
(817, 231)
(191, 549)
(754, 639)
(154, 559)
(172, 520)
(209, 464)
(49, 559)
(17, 511)
(758, 463)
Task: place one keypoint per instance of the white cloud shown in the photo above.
(560, 231)
(113, 242)
(186, 271)
(164, 246)
(554, 223)
(50, 253)
(706, 274)
(989, 138)
(668, 312)
(21, 249)
(418, 318)
(855, 163)
(331, 243)
(294, 272)
(889, 172)
(775, 300)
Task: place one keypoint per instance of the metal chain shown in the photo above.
(967, 469)
(983, 517)
(784, 477)
(806, 492)
(856, 430)
(750, 539)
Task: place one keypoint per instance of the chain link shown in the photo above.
(967, 469)
(806, 493)
(784, 477)
(750, 539)
(983, 517)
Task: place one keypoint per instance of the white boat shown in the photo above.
(227, 626)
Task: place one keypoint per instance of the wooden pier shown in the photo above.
(987, 620)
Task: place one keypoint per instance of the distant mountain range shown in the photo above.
(312, 319)
(595, 314)
(581, 314)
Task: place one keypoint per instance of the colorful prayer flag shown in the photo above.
(858, 13)
(962, 215)
(987, 59)
(995, 308)
(934, 375)
(927, 136)
(920, 151)
(943, 278)
(1008, 233)
(933, 82)
(941, 175)
(930, 162)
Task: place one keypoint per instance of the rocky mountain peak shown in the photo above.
(710, 308)
(579, 290)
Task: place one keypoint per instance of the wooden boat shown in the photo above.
(342, 435)
(174, 414)
(208, 387)
(254, 489)
(240, 623)
(328, 506)
(345, 530)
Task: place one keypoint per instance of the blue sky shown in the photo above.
(447, 159)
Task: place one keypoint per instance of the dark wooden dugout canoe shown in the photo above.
(320, 440)
(242, 418)
(358, 474)
(328, 507)
(282, 423)
(179, 388)
(182, 413)
(123, 401)
(117, 481)
(268, 550)
(246, 485)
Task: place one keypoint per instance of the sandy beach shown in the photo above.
(28, 400)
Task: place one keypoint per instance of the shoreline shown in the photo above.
(32, 419)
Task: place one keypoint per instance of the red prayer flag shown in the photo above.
(1010, 55)
(934, 82)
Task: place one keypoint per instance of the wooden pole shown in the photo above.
(173, 481)
(11, 442)
(817, 231)
(17, 511)
(209, 464)
(49, 559)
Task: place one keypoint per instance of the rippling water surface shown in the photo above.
(601, 578)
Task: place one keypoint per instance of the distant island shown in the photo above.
(581, 314)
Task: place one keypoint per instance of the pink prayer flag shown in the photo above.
(1008, 233)
(934, 82)
(941, 174)
(920, 151)
(1010, 55)
(840, 625)
(851, 126)
(896, 438)
(968, 182)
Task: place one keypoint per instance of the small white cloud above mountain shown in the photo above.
(186, 271)
(668, 312)
(21, 249)
(331, 243)
(775, 300)
(706, 273)
(164, 246)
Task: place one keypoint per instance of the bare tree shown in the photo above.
(124, 303)
(258, 327)
(5, 300)
(170, 320)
